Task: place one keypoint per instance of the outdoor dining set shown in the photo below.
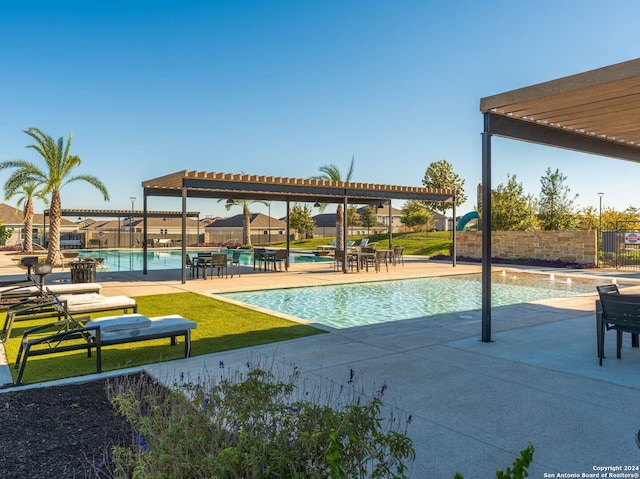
(219, 263)
(359, 258)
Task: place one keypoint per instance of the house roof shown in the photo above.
(258, 220)
(11, 216)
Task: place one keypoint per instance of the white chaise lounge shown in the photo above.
(75, 304)
(102, 332)
(30, 289)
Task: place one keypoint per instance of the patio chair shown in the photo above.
(259, 257)
(73, 334)
(398, 256)
(235, 261)
(381, 257)
(281, 258)
(220, 261)
(338, 259)
(618, 312)
(190, 266)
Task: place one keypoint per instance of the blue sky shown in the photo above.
(282, 88)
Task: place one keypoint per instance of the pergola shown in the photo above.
(119, 214)
(195, 184)
(595, 112)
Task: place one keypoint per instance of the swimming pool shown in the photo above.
(349, 305)
(127, 260)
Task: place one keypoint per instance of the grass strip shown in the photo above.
(221, 327)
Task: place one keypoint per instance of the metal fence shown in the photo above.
(620, 248)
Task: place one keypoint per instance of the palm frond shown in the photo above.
(93, 181)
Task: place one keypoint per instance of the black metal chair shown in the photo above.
(398, 256)
(235, 261)
(259, 257)
(219, 260)
(618, 312)
(281, 258)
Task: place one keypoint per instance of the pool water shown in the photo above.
(349, 305)
(127, 260)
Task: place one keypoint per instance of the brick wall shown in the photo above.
(569, 246)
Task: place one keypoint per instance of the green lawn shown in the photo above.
(221, 327)
(424, 244)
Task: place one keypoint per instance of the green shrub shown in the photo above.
(258, 423)
(519, 470)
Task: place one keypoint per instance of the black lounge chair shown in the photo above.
(73, 334)
(46, 307)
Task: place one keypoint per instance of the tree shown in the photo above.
(555, 207)
(440, 174)
(415, 214)
(369, 217)
(59, 165)
(612, 219)
(5, 233)
(246, 217)
(511, 209)
(332, 173)
(27, 192)
(300, 220)
(588, 219)
(353, 217)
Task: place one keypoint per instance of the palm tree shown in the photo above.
(246, 217)
(59, 164)
(27, 192)
(332, 173)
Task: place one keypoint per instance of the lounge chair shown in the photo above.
(71, 334)
(31, 289)
(73, 303)
(619, 312)
(330, 246)
(364, 242)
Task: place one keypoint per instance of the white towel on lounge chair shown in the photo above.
(119, 328)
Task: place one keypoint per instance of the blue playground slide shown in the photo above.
(462, 222)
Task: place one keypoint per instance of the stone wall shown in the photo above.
(568, 246)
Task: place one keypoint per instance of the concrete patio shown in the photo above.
(473, 405)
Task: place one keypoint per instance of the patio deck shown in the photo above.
(474, 405)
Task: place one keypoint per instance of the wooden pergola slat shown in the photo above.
(197, 184)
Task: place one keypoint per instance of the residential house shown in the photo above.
(262, 229)
(13, 219)
(124, 232)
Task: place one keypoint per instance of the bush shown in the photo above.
(258, 423)
(519, 470)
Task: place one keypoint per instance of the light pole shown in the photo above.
(600, 214)
(133, 200)
(269, 222)
(599, 228)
